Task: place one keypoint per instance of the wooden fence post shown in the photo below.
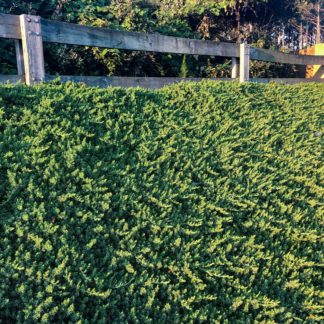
(244, 62)
(235, 68)
(19, 57)
(32, 45)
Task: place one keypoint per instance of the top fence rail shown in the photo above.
(30, 32)
(67, 33)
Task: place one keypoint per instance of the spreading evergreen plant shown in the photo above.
(197, 203)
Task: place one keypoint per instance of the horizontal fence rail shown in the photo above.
(31, 31)
(260, 54)
(9, 26)
(127, 82)
(65, 33)
(144, 82)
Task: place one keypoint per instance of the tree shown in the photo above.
(261, 22)
(310, 14)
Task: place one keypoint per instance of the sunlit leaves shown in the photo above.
(195, 203)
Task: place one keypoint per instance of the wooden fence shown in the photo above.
(29, 33)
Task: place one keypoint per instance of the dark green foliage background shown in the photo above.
(195, 203)
(261, 22)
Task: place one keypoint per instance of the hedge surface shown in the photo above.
(200, 202)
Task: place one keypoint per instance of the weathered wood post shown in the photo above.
(32, 45)
(235, 68)
(19, 57)
(244, 62)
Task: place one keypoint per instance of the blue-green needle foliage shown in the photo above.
(197, 203)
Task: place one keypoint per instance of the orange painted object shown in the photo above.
(316, 71)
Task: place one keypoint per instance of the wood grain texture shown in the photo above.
(9, 26)
(19, 57)
(11, 79)
(283, 80)
(244, 62)
(66, 33)
(32, 44)
(144, 82)
(60, 32)
(153, 83)
(235, 68)
(127, 82)
(261, 54)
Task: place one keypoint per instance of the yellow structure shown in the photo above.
(314, 71)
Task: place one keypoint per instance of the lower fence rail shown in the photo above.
(143, 82)
(30, 32)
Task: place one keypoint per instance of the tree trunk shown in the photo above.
(238, 24)
(318, 24)
(283, 43)
(301, 36)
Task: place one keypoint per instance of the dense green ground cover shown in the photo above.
(195, 203)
